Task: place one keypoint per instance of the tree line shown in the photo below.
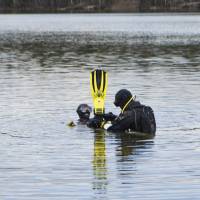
(98, 5)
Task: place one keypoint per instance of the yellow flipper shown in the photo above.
(98, 85)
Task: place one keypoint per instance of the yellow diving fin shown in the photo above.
(98, 85)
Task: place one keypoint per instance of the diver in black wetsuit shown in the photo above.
(133, 117)
(83, 112)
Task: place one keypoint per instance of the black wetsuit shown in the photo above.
(134, 119)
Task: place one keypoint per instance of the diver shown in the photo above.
(133, 117)
(83, 112)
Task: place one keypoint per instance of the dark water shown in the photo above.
(45, 62)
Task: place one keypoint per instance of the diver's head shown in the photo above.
(123, 98)
(84, 111)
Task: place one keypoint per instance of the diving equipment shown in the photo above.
(98, 85)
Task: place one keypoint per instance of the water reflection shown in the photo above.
(130, 151)
(72, 54)
(99, 162)
(128, 148)
(129, 144)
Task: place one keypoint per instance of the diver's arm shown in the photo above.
(121, 124)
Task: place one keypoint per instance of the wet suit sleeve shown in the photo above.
(121, 124)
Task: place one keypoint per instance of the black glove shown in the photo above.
(95, 122)
(109, 116)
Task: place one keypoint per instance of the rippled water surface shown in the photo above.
(45, 61)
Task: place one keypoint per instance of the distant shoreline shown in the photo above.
(93, 12)
(100, 6)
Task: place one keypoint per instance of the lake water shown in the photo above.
(45, 61)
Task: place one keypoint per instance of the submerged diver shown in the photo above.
(133, 117)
